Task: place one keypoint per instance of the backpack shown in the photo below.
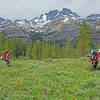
(93, 52)
(4, 52)
(91, 56)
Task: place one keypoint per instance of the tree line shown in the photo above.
(42, 50)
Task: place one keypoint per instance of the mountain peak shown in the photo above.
(2, 19)
(51, 15)
(93, 16)
(66, 11)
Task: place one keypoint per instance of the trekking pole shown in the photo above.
(0, 58)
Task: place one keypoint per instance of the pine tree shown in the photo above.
(13, 47)
(20, 48)
(48, 46)
(45, 50)
(2, 42)
(62, 52)
(29, 50)
(6, 44)
(37, 50)
(58, 51)
(24, 49)
(68, 50)
(98, 46)
(53, 50)
(83, 43)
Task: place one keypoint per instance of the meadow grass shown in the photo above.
(49, 79)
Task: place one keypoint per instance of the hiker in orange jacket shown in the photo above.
(5, 56)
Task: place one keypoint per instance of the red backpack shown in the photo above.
(4, 52)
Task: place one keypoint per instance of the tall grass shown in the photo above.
(59, 79)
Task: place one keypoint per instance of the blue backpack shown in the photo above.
(93, 52)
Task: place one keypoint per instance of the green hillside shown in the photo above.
(59, 79)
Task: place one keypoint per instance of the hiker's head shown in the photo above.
(10, 51)
(93, 51)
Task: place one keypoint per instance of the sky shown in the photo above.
(29, 9)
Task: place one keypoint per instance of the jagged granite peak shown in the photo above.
(3, 20)
(56, 13)
(51, 15)
(93, 16)
(66, 11)
(45, 18)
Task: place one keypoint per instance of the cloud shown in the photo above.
(14, 9)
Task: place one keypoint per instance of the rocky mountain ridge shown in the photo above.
(60, 26)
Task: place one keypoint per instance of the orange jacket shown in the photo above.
(4, 53)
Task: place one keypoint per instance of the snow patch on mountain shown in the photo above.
(36, 20)
(66, 19)
(23, 22)
(20, 22)
(46, 22)
(57, 14)
(74, 18)
(44, 17)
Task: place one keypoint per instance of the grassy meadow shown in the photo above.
(49, 79)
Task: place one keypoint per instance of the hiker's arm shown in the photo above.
(7, 57)
(0, 58)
